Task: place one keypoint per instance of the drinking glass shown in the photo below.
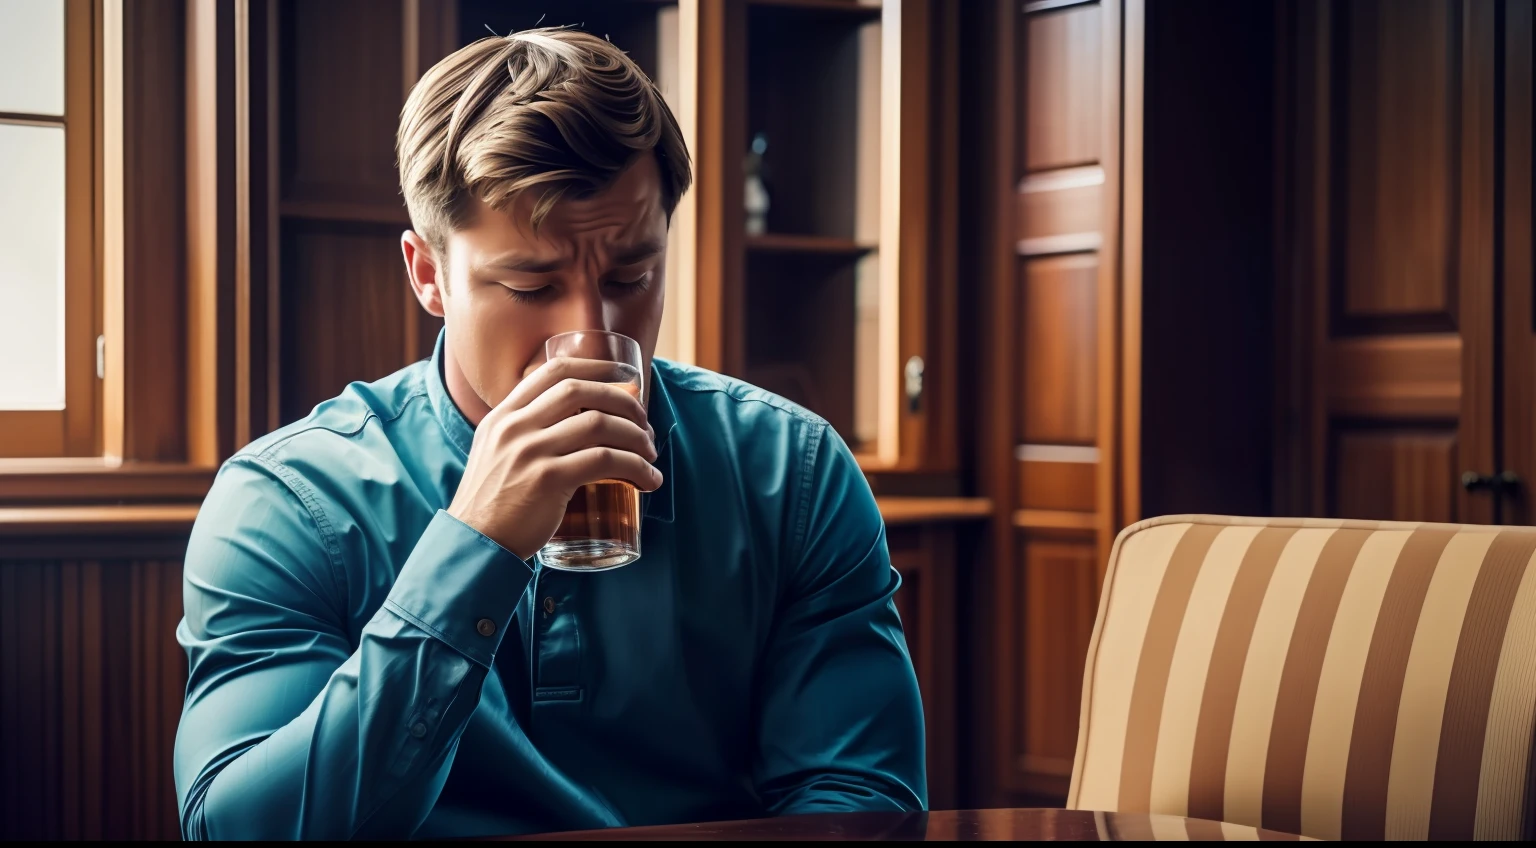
(601, 527)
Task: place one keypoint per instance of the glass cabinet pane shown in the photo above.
(31, 267)
(32, 57)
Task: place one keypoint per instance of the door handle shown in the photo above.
(912, 380)
(1505, 482)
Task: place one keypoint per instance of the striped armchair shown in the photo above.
(1336, 679)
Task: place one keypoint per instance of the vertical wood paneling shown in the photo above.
(925, 558)
(1396, 475)
(1063, 65)
(1062, 84)
(331, 270)
(1394, 223)
(91, 681)
(1401, 180)
(1058, 603)
(343, 98)
(1059, 345)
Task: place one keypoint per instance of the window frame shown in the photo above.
(74, 430)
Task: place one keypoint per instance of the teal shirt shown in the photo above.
(362, 664)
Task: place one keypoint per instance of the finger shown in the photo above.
(557, 370)
(593, 429)
(595, 464)
(572, 397)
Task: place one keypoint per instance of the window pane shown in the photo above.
(31, 267)
(32, 56)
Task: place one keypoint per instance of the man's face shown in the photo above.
(594, 264)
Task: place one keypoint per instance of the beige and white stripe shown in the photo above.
(1331, 678)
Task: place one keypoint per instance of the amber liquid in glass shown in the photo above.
(601, 526)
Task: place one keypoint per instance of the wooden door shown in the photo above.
(1052, 71)
(1392, 222)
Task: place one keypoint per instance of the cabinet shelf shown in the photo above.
(855, 11)
(803, 244)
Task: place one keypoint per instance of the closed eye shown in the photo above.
(631, 287)
(529, 295)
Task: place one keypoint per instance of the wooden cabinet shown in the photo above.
(1410, 181)
(1393, 286)
(1051, 180)
(842, 296)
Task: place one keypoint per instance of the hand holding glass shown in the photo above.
(601, 527)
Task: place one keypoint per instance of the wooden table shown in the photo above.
(949, 825)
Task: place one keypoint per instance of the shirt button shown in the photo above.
(549, 605)
(419, 729)
(486, 627)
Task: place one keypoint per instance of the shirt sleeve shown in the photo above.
(841, 722)
(294, 727)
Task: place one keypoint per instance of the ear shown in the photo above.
(428, 280)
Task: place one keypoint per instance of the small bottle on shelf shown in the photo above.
(756, 193)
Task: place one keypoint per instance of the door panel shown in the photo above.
(1394, 210)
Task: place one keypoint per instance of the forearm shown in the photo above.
(286, 736)
(367, 757)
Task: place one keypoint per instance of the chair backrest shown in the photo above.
(1336, 679)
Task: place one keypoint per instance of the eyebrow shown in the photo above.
(530, 265)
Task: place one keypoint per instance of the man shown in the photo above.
(375, 651)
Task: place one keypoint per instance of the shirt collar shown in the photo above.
(455, 426)
(663, 418)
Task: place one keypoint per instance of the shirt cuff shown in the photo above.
(461, 587)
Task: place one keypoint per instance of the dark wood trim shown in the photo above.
(1478, 219)
(999, 369)
(85, 481)
(907, 190)
(82, 403)
(1518, 306)
(851, 9)
(1056, 519)
(782, 243)
(1121, 130)
(145, 256)
(916, 510)
(1292, 343)
(26, 119)
(213, 236)
(947, 412)
(1132, 57)
(714, 45)
(115, 521)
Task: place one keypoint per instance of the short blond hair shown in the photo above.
(555, 111)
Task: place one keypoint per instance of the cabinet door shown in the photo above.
(1393, 226)
(1050, 367)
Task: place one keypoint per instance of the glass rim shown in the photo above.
(609, 333)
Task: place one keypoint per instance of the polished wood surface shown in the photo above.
(1024, 825)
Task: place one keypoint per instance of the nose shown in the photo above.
(586, 310)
